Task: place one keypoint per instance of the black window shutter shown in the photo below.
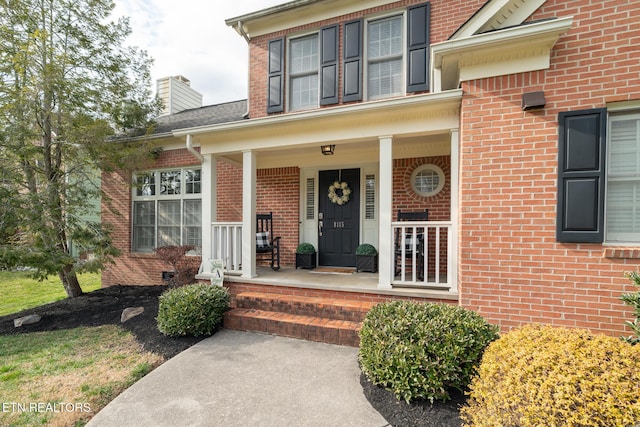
(418, 47)
(581, 176)
(275, 86)
(352, 62)
(329, 65)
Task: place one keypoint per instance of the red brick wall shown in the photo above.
(229, 192)
(512, 270)
(278, 191)
(446, 17)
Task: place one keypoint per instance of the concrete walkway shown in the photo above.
(248, 379)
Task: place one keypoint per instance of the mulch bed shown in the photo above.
(104, 306)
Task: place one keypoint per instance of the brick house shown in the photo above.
(515, 123)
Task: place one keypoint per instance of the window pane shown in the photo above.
(170, 182)
(427, 181)
(385, 79)
(304, 92)
(385, 38)
(168, 223)
(304, 55)
(193, 181)
(144, 222)
(623, 184)
(311, 198)
(304, 72)
(146, 184)
(370, 197)
(192, 232)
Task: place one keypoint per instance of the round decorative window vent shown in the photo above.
(427, 180)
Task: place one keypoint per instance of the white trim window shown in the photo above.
(385, 57)
(303, 72)
(623, 179)
(167, 209)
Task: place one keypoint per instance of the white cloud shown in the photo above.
(190, 38)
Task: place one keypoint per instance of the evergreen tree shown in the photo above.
(68, 87)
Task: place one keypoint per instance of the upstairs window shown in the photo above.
(303, 73)
(384, 58)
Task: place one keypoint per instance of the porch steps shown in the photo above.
(332, 321)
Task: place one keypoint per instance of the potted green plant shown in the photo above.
(306, 256)
(367, 258)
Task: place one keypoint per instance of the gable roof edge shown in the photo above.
(497, 14)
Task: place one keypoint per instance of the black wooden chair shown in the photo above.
(410, 241)
(267, 245)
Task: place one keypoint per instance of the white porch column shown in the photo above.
(385, 239)
(209, 195)
(249, 214)
(455, 217)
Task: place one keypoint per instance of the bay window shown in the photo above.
(167, 209)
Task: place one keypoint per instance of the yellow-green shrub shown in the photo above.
(546, 376)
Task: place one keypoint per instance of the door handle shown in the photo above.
(320, 225)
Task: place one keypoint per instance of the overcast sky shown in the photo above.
(190, 38)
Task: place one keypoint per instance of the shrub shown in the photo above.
(633, 299)
(192, 310)
(366, 249)
(184, 267)
(422, 350)
(545, 376)
(305, 248)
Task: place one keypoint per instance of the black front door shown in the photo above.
(339, 216)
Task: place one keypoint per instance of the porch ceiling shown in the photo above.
(421, 122)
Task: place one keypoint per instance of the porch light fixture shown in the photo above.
(327, 150)
(531, 100)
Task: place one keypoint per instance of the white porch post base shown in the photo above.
(249, 214)
(385, 249)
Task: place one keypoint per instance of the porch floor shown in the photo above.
(354, 282)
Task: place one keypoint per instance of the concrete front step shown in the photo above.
(328, 320)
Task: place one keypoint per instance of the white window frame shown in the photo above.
(613, 175)
(157, 198)
(402, 56)
(428, 167)
(292, 75)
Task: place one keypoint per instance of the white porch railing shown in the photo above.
(226, 242)
(422, 253)
(424, 260)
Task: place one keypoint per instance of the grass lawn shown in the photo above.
(20, 292)
(62, 378)
(65, 377)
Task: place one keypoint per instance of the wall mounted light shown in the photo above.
(327, 150)
(531, 100)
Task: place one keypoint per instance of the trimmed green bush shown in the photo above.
(422, 350)
(366, 249)
(306, 248)
(546, 376)
(192, 309)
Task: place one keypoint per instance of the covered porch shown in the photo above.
(371, 140)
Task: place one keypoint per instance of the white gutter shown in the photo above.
(193, 150)
(434, 99)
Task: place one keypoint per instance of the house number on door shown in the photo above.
(338, 224)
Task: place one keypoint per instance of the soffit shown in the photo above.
(295, 13)
(402, 118)
(513, 50)
(496, 15)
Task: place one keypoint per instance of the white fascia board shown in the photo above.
(519, 49)
(434, 99)
(497, 14)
